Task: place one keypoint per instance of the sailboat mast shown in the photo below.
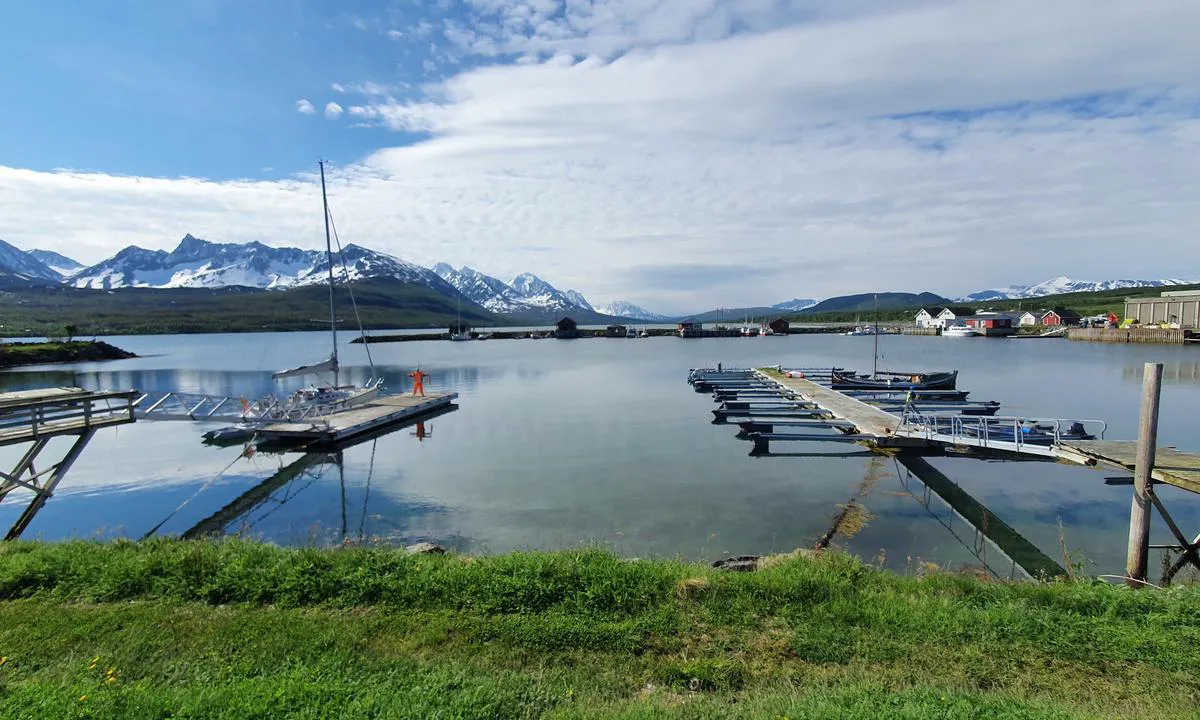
(875, 369)
(329, 257)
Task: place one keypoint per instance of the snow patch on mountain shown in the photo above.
(199, 263)
(1062, 284)
(620, 308)
(526, 293)
(16, 261)
(796, 304)
(60, 264)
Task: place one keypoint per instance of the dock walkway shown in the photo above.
(345, 424)
(866, 419)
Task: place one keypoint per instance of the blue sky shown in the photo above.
(680, 154)
(194, 87)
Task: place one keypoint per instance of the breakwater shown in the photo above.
(1173, 336)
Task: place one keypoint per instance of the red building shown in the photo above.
(1061, 316)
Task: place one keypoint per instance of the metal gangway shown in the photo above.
(1024, 435)
(35, 418)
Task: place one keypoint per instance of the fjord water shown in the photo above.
(563, 443)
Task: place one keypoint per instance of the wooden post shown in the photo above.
(1139, 513)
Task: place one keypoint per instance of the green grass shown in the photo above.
(238, 629)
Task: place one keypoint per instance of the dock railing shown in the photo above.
(1037, 436)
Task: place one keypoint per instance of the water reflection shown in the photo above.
(1183, 372)
(559, 444)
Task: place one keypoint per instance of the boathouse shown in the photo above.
(1180, 307)
(927, 317)
(566, 329)
(614, 331)
(1061, 316)
(1030, 318)
(990, 324)
(779, 326)
(690, 328)
(950, 315)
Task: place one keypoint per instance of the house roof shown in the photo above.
(1064, 313)
(932, 311)
(958, 310)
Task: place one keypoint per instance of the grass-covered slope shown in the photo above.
(382, 303)
(236, 629)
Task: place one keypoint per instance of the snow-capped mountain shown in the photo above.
(15, 261)
(199, 263)
(483, 290)
(527, 293)
(620, 308)
(795, 304)
(1060, 285)
(578, 299)
(60, 264)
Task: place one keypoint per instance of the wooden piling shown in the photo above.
(1139, 514)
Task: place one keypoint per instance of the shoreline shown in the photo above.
(21, 354)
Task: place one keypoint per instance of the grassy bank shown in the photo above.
(236, 629)
(14, 354)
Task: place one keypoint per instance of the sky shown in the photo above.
(678, 154)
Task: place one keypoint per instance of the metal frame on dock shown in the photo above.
(35, 417)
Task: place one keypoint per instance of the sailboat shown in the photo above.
(324, 399)
(459, 331)
(883, 380)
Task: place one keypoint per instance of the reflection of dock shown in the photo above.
(331, 453)
(987, 525)
(36, 417)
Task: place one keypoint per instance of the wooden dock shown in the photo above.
(865, 419)
(1171, 466)
(341, 426)
(27, 415)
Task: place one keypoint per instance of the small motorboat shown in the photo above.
(230, 434)
(892, 381)
(959, 331)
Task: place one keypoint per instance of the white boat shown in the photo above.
(862, 330)
(958, 331)
(631, 332)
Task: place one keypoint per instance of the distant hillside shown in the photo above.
(867, 302)
(734, 316)
(382, 303)
(1085, 303)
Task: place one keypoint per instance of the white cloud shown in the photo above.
(304, 107)
(332, 110)
(338, 88)
(802, 161)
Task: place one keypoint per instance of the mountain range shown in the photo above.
(197, 263)
(1062, 285)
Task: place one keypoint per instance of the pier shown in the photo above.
(771, 405)
(34, 418)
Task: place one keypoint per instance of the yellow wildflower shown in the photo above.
(3, 661)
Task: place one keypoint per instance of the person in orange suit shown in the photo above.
(418, 382)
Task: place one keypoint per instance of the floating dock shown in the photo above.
(343, 425)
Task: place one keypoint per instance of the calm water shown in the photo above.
(561, 443)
